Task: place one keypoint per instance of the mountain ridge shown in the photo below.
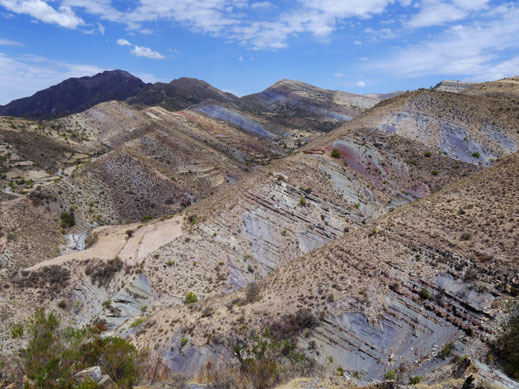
(75, 95)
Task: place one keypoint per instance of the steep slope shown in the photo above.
(179, 94)
(506, 89)
(471, 129)
(114, 164)
(341, 184)
(296, 104)
(244, 232)
(436, 271)
(75, 95)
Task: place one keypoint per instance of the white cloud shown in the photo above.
(240, 58)
(101, 28)
(9, 42)
(24, 76)
(146, 52)
(474, 51)
(40, 10)
(438, 12)
(228, 18)
(358, 43)
(209, 16)
(362, 84)
(140, 51)
(101, 8)
(123, 42)
(338, 75)
(383, 33)
(262, 5)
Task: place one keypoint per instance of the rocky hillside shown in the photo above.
(113, 164)
(296, 104)
(387, 244)
(471, 129)
(176, 159)
(75, 95)
(506, 89)
(454, 86)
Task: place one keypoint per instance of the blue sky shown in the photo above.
(243, 46)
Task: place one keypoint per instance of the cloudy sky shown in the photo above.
(243, 46)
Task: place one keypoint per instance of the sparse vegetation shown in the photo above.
(17, 331)
(101, 273)
(425, 294)
(54, 355)
(302, 202)
(252, 292)
(507, 344)
(447, 350)
(137, 322)
(466, 236)
(414, 380)
(68, 219)
(335, 153)
(390, 374)
(190, 298)
(183, 342)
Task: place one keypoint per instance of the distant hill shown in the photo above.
(384, 96)
(179, 94)
(453, 86)
(75, 95)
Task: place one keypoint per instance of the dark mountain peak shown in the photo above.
(190, 82)
(200, 87)
(75, 95)
(179, 94)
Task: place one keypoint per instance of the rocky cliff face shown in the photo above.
(75, 95)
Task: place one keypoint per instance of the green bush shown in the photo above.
(507, 344)
(17, 331)
(447, 350)
(264, 359)
(390, 374)
(302, 202)
(68, 219)
(476, 155)
(425, 294)
(137, 322)
(54, 355)
(414, 380)
(336, 153)
(190, 298)
(428, 154)
(466, 236)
